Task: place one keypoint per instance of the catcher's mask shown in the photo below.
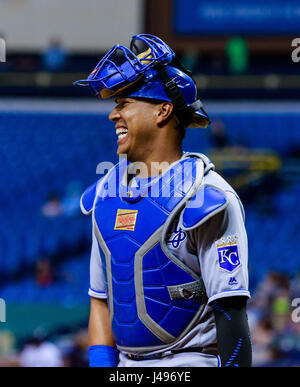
(149, 69)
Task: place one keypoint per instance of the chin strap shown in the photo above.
(184, 112)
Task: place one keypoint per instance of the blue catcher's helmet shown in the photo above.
(154, 73)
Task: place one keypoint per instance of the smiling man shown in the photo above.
(147, 131)
(169, 279)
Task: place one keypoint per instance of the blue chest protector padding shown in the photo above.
(208, 201)
(150, 291)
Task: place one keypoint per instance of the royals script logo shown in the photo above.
(177, 237)
(126, 220)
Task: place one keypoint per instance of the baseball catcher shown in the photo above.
(168, 270)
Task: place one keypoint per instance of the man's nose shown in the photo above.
(114, 115)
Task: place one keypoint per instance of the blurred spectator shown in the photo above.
(7, 343)
(55, 57)
(38, 352)
(237, 55)
(26, 63)
(8, 354)
(286, 340)
(295, 286)
(218, 63)
(273, 285)
(275, 337)
(53, 207)
(219, 139)
(71, 200)
(44, 275)
(218, 136)
(68, 205)
(76, 355)
(262, 337)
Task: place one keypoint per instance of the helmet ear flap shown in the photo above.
(187, 106)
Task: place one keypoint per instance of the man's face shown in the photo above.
(135, 127)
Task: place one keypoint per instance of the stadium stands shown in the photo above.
(43, 153)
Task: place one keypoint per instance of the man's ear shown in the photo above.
(164, 113)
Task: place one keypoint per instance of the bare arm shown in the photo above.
(100, 332)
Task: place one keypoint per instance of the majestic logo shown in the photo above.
(228, 253)
(232, 281)
(178, 236)
(126, 220)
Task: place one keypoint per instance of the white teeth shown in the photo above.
(121, 131)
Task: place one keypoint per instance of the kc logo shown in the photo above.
(228, 254)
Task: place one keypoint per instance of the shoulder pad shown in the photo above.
(208, 165)
(208, 201)
(87, 199)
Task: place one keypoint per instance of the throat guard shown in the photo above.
(154, 299)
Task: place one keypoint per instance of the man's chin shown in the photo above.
(122, 150)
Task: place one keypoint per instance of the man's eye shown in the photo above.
(122, 104)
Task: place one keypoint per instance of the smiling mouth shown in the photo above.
(122, 133)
